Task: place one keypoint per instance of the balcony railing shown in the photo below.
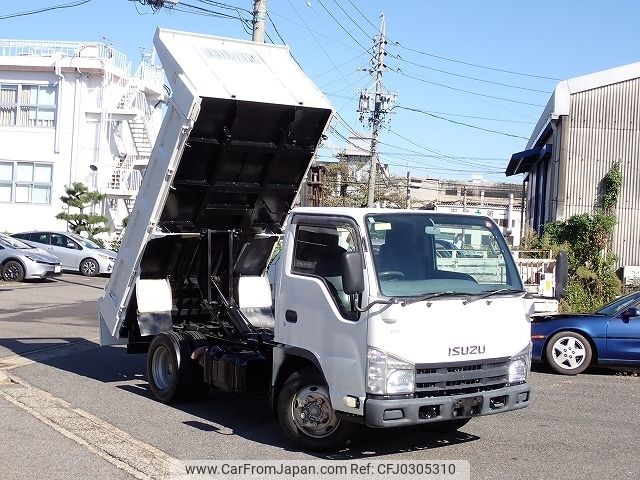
(36, 48)
(150, 74)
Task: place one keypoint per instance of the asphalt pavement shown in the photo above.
(576, 427)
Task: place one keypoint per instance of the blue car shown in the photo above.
(569, 343)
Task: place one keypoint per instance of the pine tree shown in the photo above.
(79, 197)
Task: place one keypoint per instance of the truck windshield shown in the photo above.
(422, 253)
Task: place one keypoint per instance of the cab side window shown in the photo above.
(318, 252)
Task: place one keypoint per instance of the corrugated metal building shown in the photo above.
(589, 123)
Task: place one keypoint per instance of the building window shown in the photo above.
(28, 105)
(25, 182)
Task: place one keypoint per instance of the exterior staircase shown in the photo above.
(140, 136)
(133, 140)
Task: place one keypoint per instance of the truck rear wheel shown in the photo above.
(171, 372)
(306, 415)
(200, 388)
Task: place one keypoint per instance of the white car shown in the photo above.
(76, 253)
(19, 261)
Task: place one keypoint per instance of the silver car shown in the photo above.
(77, 254)
(19, 261)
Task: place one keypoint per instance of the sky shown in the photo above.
(472, 77)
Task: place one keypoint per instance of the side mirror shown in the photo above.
(630, 312)
(352, 273)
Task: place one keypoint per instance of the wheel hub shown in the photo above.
(312, 412)
(568, 353)
(12, 272)
(162, 368)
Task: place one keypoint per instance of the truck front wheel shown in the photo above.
(170, 371)
(306, 415)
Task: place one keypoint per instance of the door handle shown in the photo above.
(291, 316)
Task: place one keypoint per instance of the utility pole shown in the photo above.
(408, 202)
(382, 104)
(259, 16)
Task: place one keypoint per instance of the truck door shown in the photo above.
(313, 313)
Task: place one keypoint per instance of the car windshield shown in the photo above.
(13, 242)
(422, 253)
(619, 304)
(85, 242)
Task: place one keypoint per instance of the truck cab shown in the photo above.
(400, 334)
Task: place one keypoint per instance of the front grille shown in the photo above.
(464, 378)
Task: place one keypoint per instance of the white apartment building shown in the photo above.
(72, 112)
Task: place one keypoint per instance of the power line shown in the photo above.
(363, 15)
(468, 77)
(276, 29)
(485, 67)
(225, 6)
(331, 38)
(350, 18)
(436, 154)
(318, 42)
(206, 11)
(342, 27)
(360, 55)
(45, 9)
(492, 119)
(397, 70)
(506, 120)
(489, 130)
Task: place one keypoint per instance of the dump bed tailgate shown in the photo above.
(239, 133)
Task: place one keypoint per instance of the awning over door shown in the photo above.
(523, 162)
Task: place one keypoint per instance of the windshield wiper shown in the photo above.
(491, 293)
(429, 296)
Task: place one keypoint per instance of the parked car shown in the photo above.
(19, 261)
(447, 249)
(610, 336)
(75, 252)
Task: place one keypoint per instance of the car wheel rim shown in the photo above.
(162, 368)
(569, 353)
(11, 272)
(312, 412)
(89, 268)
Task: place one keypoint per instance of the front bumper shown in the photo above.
(42, 270)
(106, 266)
(414, 411)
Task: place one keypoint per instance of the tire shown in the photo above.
(568, 353)
(89, 267)
(13, 271)
(195, 339)
(330, 432)
(171, 373)
(199, 388)
(448, 426)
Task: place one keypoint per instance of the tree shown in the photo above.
(346, 185)
(79, 197)
(587, 238)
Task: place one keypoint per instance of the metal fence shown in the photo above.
(35, 48)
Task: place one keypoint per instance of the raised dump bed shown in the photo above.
(241, 127)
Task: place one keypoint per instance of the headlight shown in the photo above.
(520, 366)
(106, 257)
(388, 375)
(31, 258)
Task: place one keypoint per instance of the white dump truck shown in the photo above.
(373, 322)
